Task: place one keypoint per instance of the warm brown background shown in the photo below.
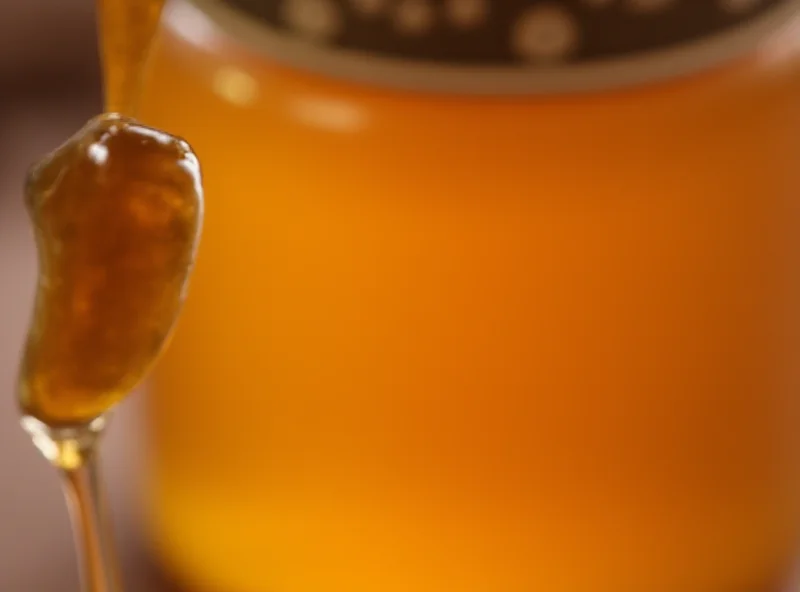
(48, 88)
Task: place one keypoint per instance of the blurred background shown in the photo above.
(49, 86)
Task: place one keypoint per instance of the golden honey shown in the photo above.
(480, 338)
(116, 212)
(125, 30)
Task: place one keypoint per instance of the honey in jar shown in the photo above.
(493, 296)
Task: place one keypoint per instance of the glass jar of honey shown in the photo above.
(493, 296)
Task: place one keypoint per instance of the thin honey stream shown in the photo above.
(126, 30)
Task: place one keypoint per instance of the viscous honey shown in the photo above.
(126, 28)
(117, 212)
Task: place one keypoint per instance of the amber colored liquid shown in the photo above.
(116, 212)
(476, 345)
(126, 29)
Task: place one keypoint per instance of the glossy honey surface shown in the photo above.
(116, 212)
(476, 345)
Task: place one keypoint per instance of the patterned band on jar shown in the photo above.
(555, 43)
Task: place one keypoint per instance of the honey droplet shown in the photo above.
(117, 213)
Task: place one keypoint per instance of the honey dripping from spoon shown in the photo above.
(117, 213)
